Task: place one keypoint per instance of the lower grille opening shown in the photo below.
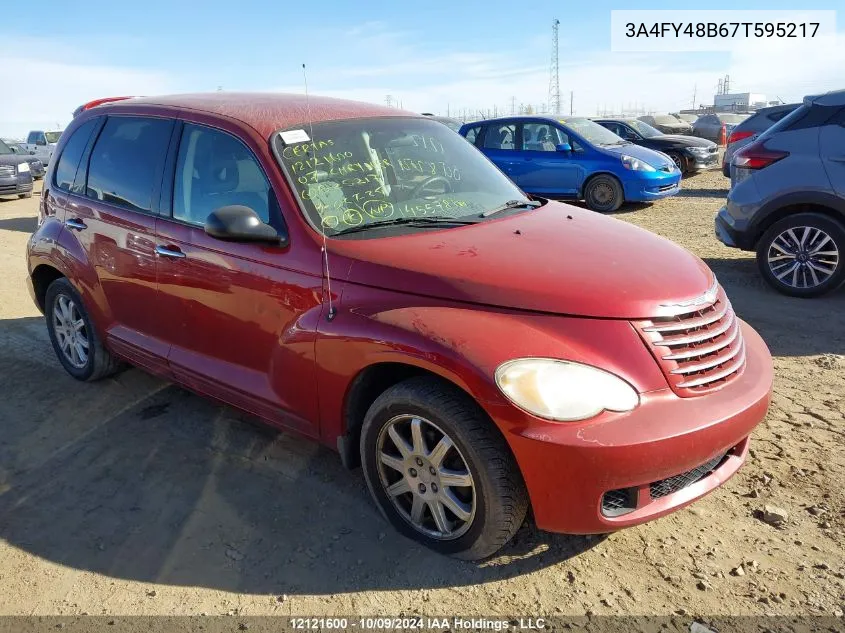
(673, 484)
(665, 187)
(615, 503)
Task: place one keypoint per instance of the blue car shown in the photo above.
(574, 157)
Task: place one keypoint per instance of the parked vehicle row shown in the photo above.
(478, 352)
(574, 157)
(667, 124)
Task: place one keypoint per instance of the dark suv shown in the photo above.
(787, 199)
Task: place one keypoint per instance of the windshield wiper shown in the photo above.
(512, 204)
(424, 221)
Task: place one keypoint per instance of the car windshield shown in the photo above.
(591, 131)
(52, 137)
(645, 130)
(732, 119)
(665, 119)
(5, 149)
(367, 171)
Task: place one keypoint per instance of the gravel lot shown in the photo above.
(132, 496)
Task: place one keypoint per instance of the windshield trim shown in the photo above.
(276, 145)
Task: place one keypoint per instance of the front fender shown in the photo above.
(462, 343)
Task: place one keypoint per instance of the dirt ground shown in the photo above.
(132, 496)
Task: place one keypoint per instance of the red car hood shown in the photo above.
(557, 258)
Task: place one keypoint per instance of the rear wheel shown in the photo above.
(439, 470)
(604, 193)
(75, 341)
(801, 255)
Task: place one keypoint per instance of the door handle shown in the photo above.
(838, 159)
(73, 223)
(169, 252)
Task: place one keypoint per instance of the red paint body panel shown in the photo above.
(555, 263)
(247, 323)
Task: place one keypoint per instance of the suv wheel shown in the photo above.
(75, 341)
(603, 194)
(439, 470)
(801, 255)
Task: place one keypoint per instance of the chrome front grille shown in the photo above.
(7, 170)
(700, 350)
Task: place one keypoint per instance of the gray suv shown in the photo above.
(787, 199)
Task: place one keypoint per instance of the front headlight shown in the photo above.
(635, 164)
(23, 168)
(563, 390)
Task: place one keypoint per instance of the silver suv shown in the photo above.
(787, 199)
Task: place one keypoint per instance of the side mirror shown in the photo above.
(237, 223)
(564, 147)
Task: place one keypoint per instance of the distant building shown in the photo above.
(743, 101)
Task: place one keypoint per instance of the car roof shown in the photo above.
(527, 117)
(265, 112)
(833, 98)
(616, 119)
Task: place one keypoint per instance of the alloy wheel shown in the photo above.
(803, 257)
(426, 477)
(71, 332)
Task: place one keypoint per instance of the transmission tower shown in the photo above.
(554, 74)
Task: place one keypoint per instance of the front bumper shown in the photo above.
(696, 162)
(652, 186)
(568, 467)
(15, 185)
(729, 233)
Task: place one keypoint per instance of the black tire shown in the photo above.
(680, 162)
(99, 363)
(501, 500)
(603, 193)
(805, 286)
(28, 194)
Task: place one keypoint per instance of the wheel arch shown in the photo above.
(822, 203)
(367, 385)
(42, 276)
(595, 175)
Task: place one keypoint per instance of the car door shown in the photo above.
(499, 145)
(113, 217)
(832, 150)
(538, 166)
(241, 316)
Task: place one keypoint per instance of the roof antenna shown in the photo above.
(331, 313)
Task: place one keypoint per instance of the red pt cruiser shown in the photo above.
(365, 277)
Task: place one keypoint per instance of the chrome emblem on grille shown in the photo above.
(705, 299)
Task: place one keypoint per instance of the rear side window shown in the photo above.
(71, 153)
(127, 160)
(214, 170)
(472, 134)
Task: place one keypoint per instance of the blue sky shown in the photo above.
(433, 56)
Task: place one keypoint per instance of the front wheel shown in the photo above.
(801, 255)
(680, 162)
(603, 194)
(439, 470)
